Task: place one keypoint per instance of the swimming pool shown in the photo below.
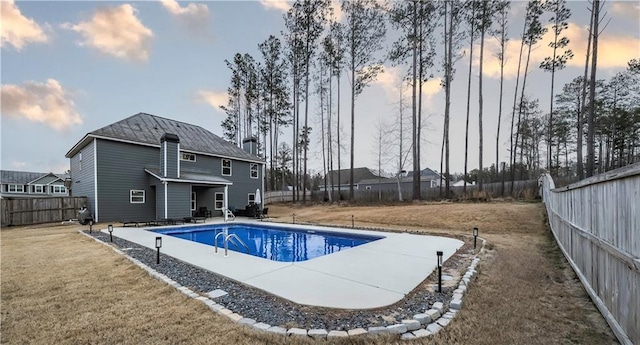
(273, 243)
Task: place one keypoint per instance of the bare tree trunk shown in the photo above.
(353, 123)
(448, 101)
(330, 148)
(466, 128)
(416, 169)
(324, 155)
(480, 108)
(502, 52)
(595, 10)
(338, 134)
(512, 155)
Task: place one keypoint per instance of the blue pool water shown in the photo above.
(273, 243)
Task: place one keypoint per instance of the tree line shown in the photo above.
(315, 52)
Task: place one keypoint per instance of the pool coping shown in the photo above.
(372, 275)
(421, 325)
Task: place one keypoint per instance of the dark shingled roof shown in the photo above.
(359, 174)
(24, 177)
(148, 129)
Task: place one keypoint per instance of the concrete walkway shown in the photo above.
(371, 275)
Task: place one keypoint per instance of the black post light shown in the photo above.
(475, 237)
(90, 225)
(110, 228)
(439, 254)
(294, 218)
(158, 245)
(352, 222)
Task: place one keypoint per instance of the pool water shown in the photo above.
(273, 243)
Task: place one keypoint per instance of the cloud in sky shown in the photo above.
(629, 9)
(18, 30)
(391, 80)
(47, 102)
(213, 98)
(279, 5)
(195, 17)
(116, 31)
(614, 51)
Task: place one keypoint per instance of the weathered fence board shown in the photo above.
(281, 196)
(28, 211)
(596, 223)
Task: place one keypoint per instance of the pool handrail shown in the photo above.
(232, 237)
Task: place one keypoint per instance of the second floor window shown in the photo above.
(56, 189)
(188, 157)
(254, 170)
(226, 167)
(15, 188)
(38, 188)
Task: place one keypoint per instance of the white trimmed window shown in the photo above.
(226, 167)
(136, 196)
(189, 157)
(367, 187)
(80, 160)
(37, 188)
(56, 189)
(193, 201)
(15, 188)
(219, 201)
(253, 168)
(252, 198)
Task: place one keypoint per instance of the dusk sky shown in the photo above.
(68, 68)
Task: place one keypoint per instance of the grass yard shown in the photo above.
(60, 287)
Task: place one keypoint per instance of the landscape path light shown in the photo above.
(294, 218)
(158, 245)
(90, 225)
(475, 237)
(439, 254)
(352, 222)
(110, 228)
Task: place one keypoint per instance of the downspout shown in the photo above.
(95, 178)
(225, 206)
(166, 197)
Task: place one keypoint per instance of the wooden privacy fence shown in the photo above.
(596, 223)
(526, 189)
(282, 196)
(40, 210)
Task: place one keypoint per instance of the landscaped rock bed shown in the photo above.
(266, 308)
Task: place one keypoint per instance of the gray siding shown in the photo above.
(82, 179)
(179, 200)
(243, 184)
(172, 159)
(121, 169)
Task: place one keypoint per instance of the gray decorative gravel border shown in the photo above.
(420, 325)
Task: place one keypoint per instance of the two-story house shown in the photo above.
(24, 184)
(147, 167)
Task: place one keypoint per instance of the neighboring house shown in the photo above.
(359, 174)
(22, 184)
(460, 183)
(367, 179)
(147, 167)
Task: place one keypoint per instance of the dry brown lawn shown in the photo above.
(60, 287)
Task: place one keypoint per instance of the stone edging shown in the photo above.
(422, 325)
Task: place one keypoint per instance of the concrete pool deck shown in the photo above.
(371, 275)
